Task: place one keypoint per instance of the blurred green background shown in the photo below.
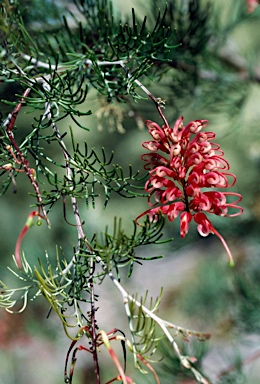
(200, 290)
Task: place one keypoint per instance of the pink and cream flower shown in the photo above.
(183, 164)
(251, 5)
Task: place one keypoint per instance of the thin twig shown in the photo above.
(9, 124)
(233, 368)
(157, 101)
(93, 322)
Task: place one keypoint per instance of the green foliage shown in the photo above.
(65, 284)
(144, 330)
(79, 50)
(202, 60)
(58, 69)
(236, 377)
(212, 281)
(118, 249)
(246, 288)
(90, 173)
(170, 365)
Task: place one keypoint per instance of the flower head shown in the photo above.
(182, 163)
(251, 5)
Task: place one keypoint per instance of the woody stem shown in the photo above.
(9, 122)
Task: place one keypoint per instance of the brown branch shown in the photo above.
(239, 64)
(227, 57)
(9, 124)
(233, 368)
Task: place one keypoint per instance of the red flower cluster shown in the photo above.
(251, 5)
(189, 162)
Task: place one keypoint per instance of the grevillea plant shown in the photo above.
(185, 174)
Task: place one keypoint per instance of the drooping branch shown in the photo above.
(164, 325)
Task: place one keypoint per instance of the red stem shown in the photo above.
(28, 224)
(29, 171)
